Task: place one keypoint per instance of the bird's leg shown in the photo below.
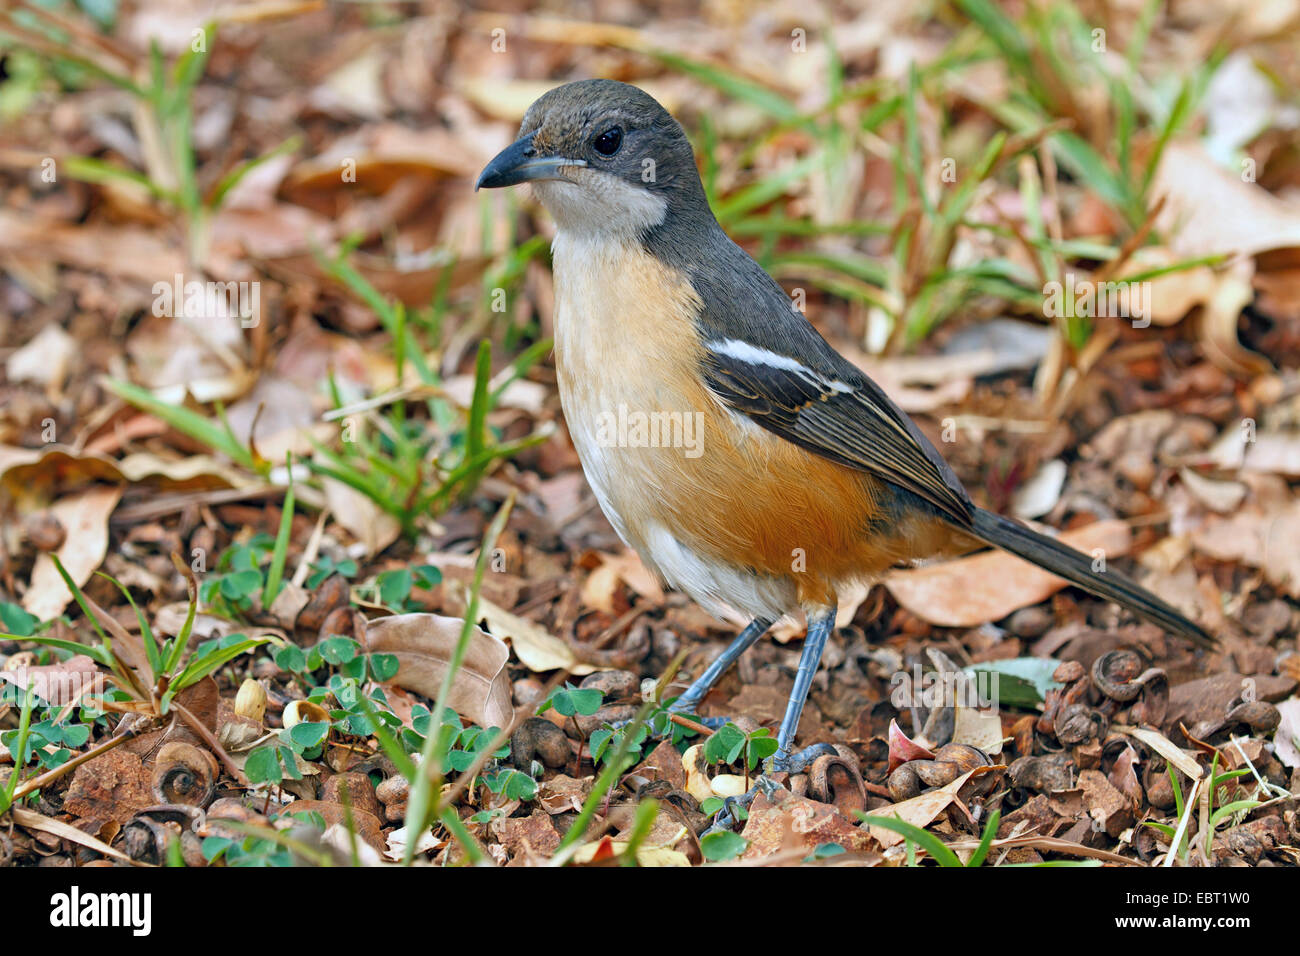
(694, 694)
(820, 625)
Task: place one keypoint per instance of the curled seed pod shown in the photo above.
(1043, 774)
(153, 829)
(688, 808)
(251, 700)
(1116, 674)
(655, 789)
(45, 532)
(904, 783)
(1078, 724)
(936, 773)
(834, 780)
(184, 773)
(1068, 672)
(303, 712)
(146, 839)
(1159, 790)
(1154, 705)
(615, 685)
(538, 737)
(393, 790)
(228, 808)
(964, 756)
(1259, 715)
(332, 593)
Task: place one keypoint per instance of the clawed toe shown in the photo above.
(785, 762)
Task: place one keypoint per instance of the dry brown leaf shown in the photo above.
(60, 683)
(424, 645)
(44, 360)
(66, 831)
(34, 476)
(1173, 295)
(979, 728)
(536, 648)
(375, 528)
(1210, 210)
(85, 517)
(1164, 747)
(919, 811)
(989, 586)
(1263, 533)
(601, 584)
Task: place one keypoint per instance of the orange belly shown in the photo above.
(720, 507)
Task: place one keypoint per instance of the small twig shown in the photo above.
(617, 628)
(689, 724)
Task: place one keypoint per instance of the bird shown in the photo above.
(799, 477)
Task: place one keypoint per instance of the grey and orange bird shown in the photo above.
(804, 476)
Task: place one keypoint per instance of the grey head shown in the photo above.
(604, 158)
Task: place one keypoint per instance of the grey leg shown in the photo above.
(687, 703)
(820, 626)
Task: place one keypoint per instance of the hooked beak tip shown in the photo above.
(519, 163)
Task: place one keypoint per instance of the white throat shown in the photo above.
(597, 204)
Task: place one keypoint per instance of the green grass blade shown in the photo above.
(432, 754)
(986, 841)
(196, 426)
(98, 654)
(24, 729)
(275, 573)
(146, 632)
(926, 840)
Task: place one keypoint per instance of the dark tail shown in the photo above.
(1076, 568)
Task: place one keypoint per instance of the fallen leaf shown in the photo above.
(60, 683)
(1286, 740)
(85, 516)
(978, 728)
(375, 528)
(44, 360)
(536, 648)
(902, 748)
(424, 645)
(1210, 210)
(919, 811)
(989, 586)
(1164, 747)
(37, 821)
(1263, 533)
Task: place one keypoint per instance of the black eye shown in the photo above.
(608, 142)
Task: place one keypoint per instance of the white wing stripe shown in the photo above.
(751, 354)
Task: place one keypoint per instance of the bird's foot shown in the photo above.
(785, 762)
(728, 816)
(781, 762)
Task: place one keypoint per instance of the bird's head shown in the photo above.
(604, 157)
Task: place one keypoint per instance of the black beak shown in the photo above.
(519, 163)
